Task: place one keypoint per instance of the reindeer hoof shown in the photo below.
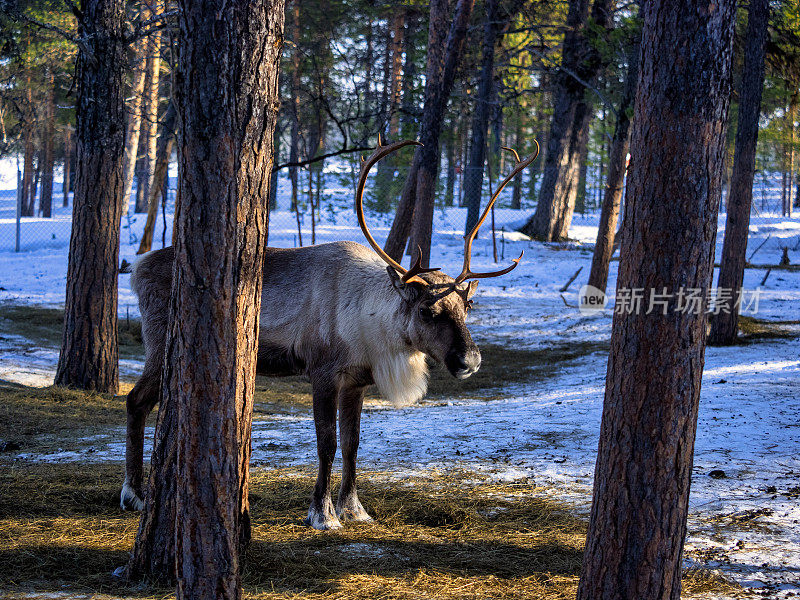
(129, 499)
(351, 510)
(322, 519)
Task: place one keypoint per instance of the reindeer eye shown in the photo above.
(426, 314)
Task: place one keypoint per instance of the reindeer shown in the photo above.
(346, 317)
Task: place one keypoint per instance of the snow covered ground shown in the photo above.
(744, 521)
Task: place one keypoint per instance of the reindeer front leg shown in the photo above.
(321, 514)
(348, 506)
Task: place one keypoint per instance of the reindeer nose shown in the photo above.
(468, 364)
(472, 360)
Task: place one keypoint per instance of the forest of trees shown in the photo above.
(103, 88)
(554, 71)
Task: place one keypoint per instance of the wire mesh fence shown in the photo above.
(321, 210)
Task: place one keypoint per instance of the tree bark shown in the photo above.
(384, 191)
(571, 115)
(790, 173)
(89, 358)
(612, 198)
(226, 93)
(637, 524)
(27, 169)
(473, 173)
(408, 104)
(164, 151)
(444, 53)
(149, 126)
(65, 185)
(134, 119)
(48, 154)
(724, 324)
(294, 113)
(516, 190)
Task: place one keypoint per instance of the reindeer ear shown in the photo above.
(409, 292)
(467, 290)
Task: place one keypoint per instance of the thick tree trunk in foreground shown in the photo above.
(416, 201)
(48, 153)
(612, 198)
(164, 151)
(571, 115)
(725, 322)
(226, 94)
(88, 358)
(641, 492)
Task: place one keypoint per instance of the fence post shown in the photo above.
(19, 209)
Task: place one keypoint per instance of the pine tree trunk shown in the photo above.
(160, 169)
(294, 113)
(394, 59)
(571, 116)
(89, 358)
(637, 524)
(516, 190)
(724, 324)
(273, 184)
(67, 162)
(450, 151)
(583, 159)
(444, 54)
(48, 153)
(473, 174)
(149, 127)
(209, 367)
(609, 211)
(27, 169)
(133, 123)
(790, 176)
(408, 103)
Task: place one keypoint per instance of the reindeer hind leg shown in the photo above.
(141, 400)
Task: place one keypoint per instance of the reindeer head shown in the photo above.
(435, 305)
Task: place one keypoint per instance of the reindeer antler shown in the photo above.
(379, 153)
(466, 273)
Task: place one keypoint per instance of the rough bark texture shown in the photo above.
(644, 465)
(134, 119)
(790, 171)
(571, 115)
(384, 191)
(27, 168)
(227, 96)
(473, 173)
(89, 358)
(612, 198)
(444, 53)
(149, 126)
(294, 111)
(724, 324)
(65, 185)
(48, 154)
(164, 151)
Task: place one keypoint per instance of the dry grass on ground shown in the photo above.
(434, 537)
